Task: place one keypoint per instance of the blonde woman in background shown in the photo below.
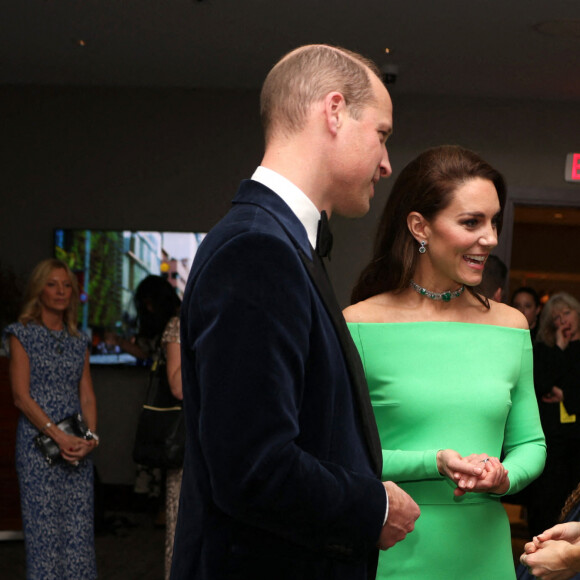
(50, 379)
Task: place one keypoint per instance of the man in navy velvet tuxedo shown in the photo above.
(281, 474)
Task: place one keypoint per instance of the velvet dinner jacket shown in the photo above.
(282, 458)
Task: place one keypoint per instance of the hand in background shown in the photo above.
(554, 396)
(403, 512)
(563, 335)
(73, 449)
(555, 553)
(570, 532)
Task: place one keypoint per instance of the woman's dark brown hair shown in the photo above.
(571, 503)
(425, 185)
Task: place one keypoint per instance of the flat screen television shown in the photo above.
(109, 264)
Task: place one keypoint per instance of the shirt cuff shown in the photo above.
(387, 508)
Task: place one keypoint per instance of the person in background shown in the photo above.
(557, 383)
(527, 301)
(171, 344)
(493, 279)
(455, 393)
(555, 553)
(156, 302)
(50, 379)
(282, 460)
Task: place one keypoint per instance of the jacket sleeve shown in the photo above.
(250, 314)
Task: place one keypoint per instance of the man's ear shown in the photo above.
(334, 110)
(418, 226)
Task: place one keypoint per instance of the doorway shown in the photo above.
(540, 242)
(546, 249)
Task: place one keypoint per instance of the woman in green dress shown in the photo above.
(449, 372)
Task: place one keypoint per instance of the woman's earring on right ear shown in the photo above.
(423, 249)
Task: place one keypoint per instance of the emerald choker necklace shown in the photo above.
(444, 296)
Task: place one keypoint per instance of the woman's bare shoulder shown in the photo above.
(504, 315)
(373, 309)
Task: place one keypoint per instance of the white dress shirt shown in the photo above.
(300, 204)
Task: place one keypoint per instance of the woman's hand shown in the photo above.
(456, 468)
(73, 449)
(563, 334)
(555, 560)
(494, 478)
(477, 473)
(554, 396)
(569, 531)
(555, 553)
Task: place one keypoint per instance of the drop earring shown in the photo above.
(423, 249)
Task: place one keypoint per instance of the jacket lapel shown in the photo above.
(317, 271)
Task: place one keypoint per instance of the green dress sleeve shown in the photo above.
(524, 448)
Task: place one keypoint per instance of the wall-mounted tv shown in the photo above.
(109, 264)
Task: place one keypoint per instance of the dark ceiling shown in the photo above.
(491, 48)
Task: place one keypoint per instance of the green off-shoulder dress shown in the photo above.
(451, 385)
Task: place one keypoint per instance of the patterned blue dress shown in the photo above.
(57, 500)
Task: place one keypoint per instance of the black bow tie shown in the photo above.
(323, 237)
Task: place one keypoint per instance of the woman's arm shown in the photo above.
(87, 397)
(19, 372)
(174, 369)
(524, 445)
(130, 347)
(72, 448)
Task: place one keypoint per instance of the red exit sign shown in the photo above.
(573, 167)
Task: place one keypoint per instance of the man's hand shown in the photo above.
(403, 512)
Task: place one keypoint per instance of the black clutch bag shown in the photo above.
(73, 425)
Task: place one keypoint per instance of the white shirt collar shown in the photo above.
(300, 204)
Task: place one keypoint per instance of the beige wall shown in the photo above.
(171, 159)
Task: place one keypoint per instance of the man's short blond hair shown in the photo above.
(305, 76)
